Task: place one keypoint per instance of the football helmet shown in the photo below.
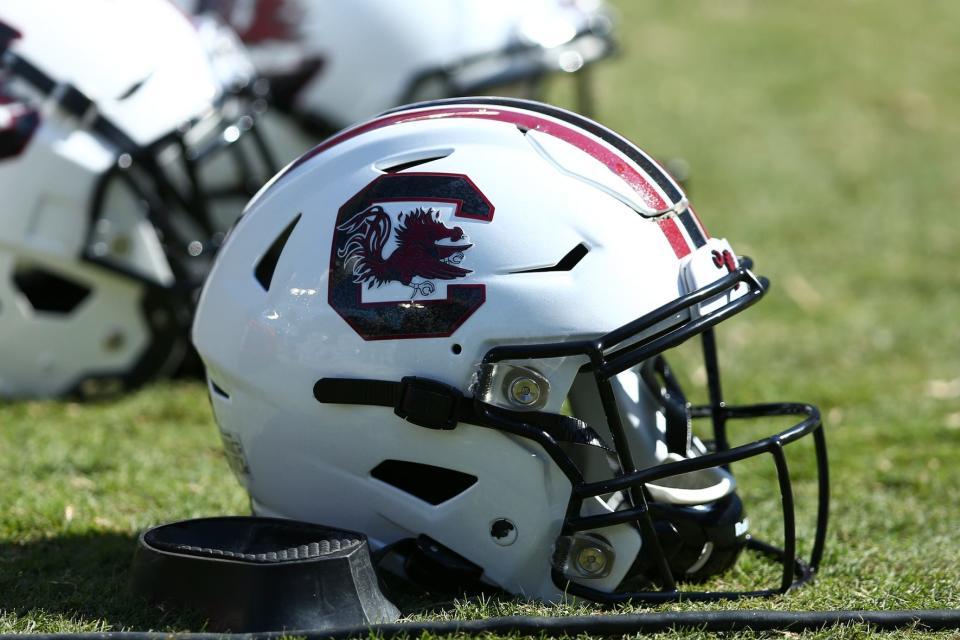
(445, 327)
(127, 147)
(334, 63)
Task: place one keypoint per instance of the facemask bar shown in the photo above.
(522, 67)
(608, 357)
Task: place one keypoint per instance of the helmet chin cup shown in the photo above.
(699, 541)
(701, 487)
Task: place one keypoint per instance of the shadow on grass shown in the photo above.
(83, 578)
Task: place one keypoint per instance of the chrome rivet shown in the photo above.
(591, 560)
(525, 391)
(120, 245)
(114, 341)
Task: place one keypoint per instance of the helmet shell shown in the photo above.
(531, 185)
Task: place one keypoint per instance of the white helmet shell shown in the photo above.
(456, 261)
(337, 62)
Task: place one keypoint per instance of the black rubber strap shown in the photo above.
(7, 35)
(435, 405)
(379, 393)
(563, 428)
(19, 67)
(423, 402)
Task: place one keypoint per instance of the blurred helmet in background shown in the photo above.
(334, 63)
(395, 327)
(127, 148)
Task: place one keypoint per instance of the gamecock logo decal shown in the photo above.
(418, 254)
(399, 247)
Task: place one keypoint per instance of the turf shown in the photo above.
(823, 141)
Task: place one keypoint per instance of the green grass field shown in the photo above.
(824, 141)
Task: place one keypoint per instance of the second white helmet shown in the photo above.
(125, 161)
(334, 63)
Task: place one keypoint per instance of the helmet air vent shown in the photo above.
(397, 163)
(132, 89)
(49, 292)
(566, 263)
(263, 272)
(217, 389)
(426, 482)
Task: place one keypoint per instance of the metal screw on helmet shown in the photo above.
(114, 340)
(584, 556)
(591, 560)
(512, 386)
(525, 391)
(121, 245)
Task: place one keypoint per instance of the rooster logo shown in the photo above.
(397, 268)
(426, 249)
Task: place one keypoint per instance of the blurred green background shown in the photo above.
(822, 139)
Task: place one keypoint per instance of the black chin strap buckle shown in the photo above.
(428, 403)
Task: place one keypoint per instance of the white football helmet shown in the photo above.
(392, 330)
(334, 63)
(130, 149)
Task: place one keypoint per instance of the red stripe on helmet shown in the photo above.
(611, 159)
(674, 236)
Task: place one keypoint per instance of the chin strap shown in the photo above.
(434, 405)
(424, 565)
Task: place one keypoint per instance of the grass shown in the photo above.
(823, 139)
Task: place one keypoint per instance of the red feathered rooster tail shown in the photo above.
(363, 251)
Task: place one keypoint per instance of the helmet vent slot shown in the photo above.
(49, 292)
(395, 164)
(218, 390)
(268, 263)
(136, 86)
(567, 262)
(426, 482)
